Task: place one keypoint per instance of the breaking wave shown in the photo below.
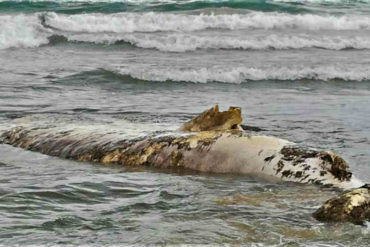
(243, 74)
(184, 42)
(155, 22)
(22, 31)
(181, 33)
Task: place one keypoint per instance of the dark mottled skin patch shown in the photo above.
(268, 159)
(366, 186)
(298, 174)
(305, 177)
(250, 128)
(322, 173)
(280, 166)
(338, 166)
(286, 173)
(314, 181)
(330, 162)
(306, 167)
(293, 152)
(297, 161)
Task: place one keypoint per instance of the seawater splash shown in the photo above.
(22, 31)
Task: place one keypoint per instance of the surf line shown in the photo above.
(214, 142)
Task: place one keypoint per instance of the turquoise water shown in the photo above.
(74, 7)
(299, 70)
(115, 6)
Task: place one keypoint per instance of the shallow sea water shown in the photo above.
(298, 69)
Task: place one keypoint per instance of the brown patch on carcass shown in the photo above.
(177, 158)
(141, 153)
(112, 157)
(166, 152)
(13, 136)
(93, 155)
(213, 120)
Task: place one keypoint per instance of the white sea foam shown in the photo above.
(181, 32)
(242, 74)
(154, 22)
(177, 42)
(21, 31)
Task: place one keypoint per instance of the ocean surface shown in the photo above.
(300, 70)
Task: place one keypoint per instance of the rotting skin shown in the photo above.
(224, 150)
(209, 151)
(163, 152)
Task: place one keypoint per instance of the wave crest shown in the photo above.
(186, 42)
(22, 31)
(243, 74)
(155, 22)
(180, 33)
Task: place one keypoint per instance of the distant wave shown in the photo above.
(154, 22)
(184, 42)
(181, 33)
(243, 74)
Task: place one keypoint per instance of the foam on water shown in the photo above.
(21, 31)
(154, 22)
(176, 42)
(242, 74)
(181, 32)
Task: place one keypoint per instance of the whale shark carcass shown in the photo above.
(212, 142)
